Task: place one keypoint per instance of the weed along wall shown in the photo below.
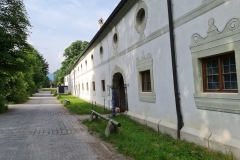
(130, 63)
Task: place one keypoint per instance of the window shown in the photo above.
(115, 38)
(216, 68)
(103, 85)
(92, 57)
(93, 86)
(101, 51)
(86, 64)
(219, 74)
(146, 91)
(82, 87)
(146, 81)
(141, 16)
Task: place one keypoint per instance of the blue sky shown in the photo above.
(58, 23)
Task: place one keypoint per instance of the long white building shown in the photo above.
(175, 68)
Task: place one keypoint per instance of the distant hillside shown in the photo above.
(50, 76)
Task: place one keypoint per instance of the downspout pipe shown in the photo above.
(174, 69)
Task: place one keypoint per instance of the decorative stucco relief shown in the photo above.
(213, 31)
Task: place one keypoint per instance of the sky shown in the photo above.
(58, 23)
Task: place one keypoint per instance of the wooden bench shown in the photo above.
(66, 101)
(111, 123)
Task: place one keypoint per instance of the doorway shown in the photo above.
(118, 89)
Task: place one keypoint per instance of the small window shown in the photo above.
(86, 64)
(87, 87)
(140, 16)
(101, 52)
(82, 87)
(219, 73)
(92, 57)
(103, 85)
(93, 86)
(115, 38)
(146, 81)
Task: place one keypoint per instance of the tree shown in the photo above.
(22, 68)
(13, 32)
(23, 84)
(71, 54)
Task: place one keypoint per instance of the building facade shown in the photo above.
(130, 64)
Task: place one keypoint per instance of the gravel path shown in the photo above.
(42, 129)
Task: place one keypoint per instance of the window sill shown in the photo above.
(221, 102)
(147, 97)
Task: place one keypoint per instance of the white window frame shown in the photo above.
(143, 64)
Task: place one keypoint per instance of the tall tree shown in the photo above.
(22, 68)
(13, 32)
(71, 54)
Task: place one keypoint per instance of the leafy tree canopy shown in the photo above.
(71, 54)
(22, 68)
(14, 26)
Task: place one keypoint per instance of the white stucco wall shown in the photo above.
(223, 124)
(157, 43)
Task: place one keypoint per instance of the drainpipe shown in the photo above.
(174, 68)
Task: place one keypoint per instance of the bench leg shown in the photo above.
(91, 117)
(108, 128)
(116, 129)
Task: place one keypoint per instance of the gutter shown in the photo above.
(174, 68)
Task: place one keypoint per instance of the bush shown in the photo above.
(18, 92)
(3, 108)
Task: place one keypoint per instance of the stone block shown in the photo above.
(137, 117)
(195, 136)
(152, 123)
(168, 128)
(224, 145)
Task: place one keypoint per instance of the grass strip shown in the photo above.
(80, 106)
(142, 143)
(53, 90)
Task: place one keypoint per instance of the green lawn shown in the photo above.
(142, 143)
(80, 106)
